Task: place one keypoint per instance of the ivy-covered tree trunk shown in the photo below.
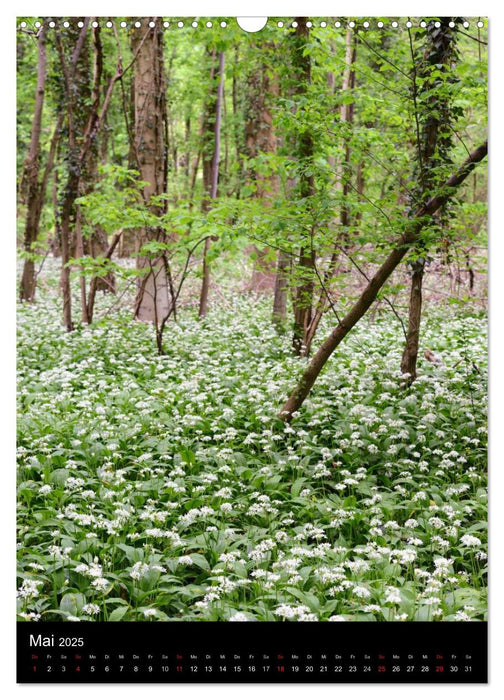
(304, 270)
(153, 298)
(434, 119)
(74, 102)
(35, 193)
(368, 296)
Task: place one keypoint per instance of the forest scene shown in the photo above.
(252, 319)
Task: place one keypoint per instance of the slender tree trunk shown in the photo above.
(409, 238)
(98, 241)
(187, 155)
(127, 242)
(305, 267)
(35, 192)
(93, 286)
(281, 288)
(205, 285)
(80, 253)
(237, 130)
(69, 197)
(409, 358)
(56, 241)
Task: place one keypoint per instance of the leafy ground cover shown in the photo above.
(166, 488)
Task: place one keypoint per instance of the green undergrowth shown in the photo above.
(166, 487)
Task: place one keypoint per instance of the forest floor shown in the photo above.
(166, 487)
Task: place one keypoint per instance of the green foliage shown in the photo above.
(116, 201)
(379, 145)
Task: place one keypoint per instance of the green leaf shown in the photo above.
(118, 613)
(200, 561)
(72, 603)
(59, 476)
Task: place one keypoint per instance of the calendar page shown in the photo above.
(252, 361)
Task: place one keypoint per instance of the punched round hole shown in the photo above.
(152, 25)
(280, 24)
(466, 25)
(223, 25)
(252, 24)
(409, 24)
(451, 24)
(94, 24)
(66, 24)
(480, 24)
(52, 24)
(323, 24)
(194, 24)
(309, 24)
(437, 24)
(38, 24)
(166, 24)
(109, 24)
(423, 24)
(123, 25)
(22, 25)
(80, 24)
(380, 25)
(395, 24)
(337, 25)
(138, 25)
(209, 24)
(294, 24)
(180, 24)
(351, 25)
(365, 25)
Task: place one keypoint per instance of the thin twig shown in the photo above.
(327, 295)
(384, 58)
(480, 41)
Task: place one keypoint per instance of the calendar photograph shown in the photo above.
(252, 347)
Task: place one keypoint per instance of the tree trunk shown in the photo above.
(432, 114)
(153, 299)
(305, 267)
(31, 175)
(281, 287)
(94, 281)
(98, 241)
(409, 358)
(69, 197)
(75, 98)
(214, 178)
(409, 238)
